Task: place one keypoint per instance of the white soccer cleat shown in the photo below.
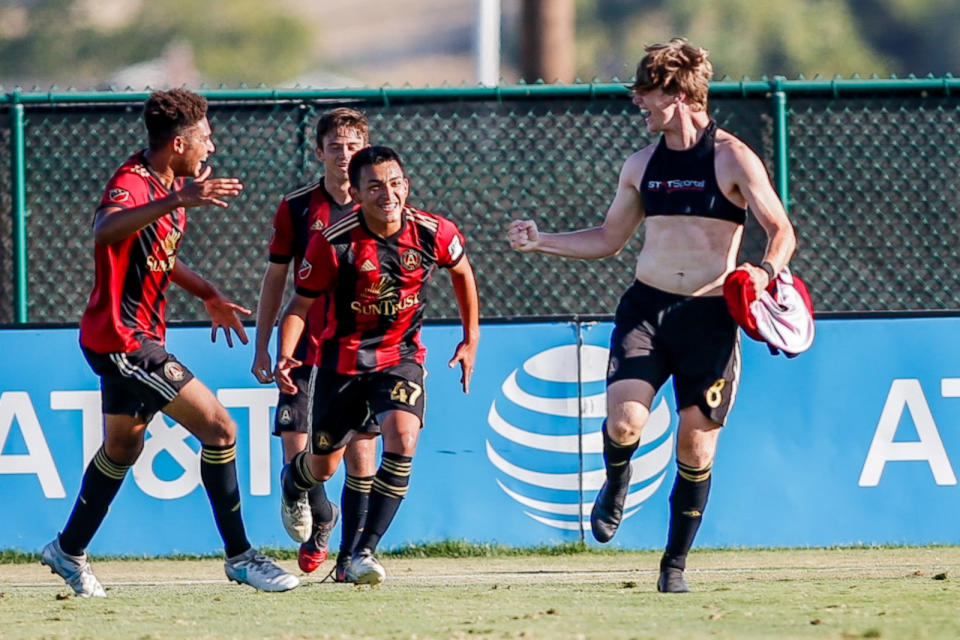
(297, 517)
(364, 568)
(259, 571)
(75, 570)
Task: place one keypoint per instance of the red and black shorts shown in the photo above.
(140, 382)
(658, 334)
(291, 415)
(341, 404)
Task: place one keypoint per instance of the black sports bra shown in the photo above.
(684, 183)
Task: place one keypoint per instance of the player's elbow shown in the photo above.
(609, 249)
(105, 236)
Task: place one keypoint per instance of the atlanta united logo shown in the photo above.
(410, 259)
(323, 440)
(173, 371)
(286, 416)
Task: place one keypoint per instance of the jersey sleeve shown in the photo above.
(318, 269)
(126, 190)
(281, 242)
(450, 244)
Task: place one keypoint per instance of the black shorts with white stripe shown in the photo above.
(138, 383)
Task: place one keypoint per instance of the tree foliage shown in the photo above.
(788, 37)
(233, 41)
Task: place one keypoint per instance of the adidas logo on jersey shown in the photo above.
(367, 266)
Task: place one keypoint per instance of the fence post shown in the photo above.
(18, 182)
(782, 177)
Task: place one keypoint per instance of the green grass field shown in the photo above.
(807, 593)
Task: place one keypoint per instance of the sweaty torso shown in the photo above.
(694, 215)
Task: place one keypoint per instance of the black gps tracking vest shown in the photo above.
(684, 183)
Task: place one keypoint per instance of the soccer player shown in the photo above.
(341, 132)
(373, 266)
(692, 190)
(137, 230)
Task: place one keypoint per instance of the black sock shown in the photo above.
(687, 502)
(218, 470)
(101, 481)
(319, 505)
(389, 489)
(354, 503)
(297, 479)
(616, 459)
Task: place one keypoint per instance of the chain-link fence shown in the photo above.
(873, 180)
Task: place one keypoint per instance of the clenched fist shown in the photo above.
(523, 235)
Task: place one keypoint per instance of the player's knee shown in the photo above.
(322, 468)
(625, 427)
(123, 450)
(221, 430)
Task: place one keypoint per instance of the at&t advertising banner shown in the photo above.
(854, 441)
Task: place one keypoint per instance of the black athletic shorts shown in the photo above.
(342, 403)
(658, 334)
(291, 414)
(138, 383)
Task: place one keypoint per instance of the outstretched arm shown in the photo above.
(222, 312)
(468, 301)
(112, 224)
(623, 218)
(268, 308)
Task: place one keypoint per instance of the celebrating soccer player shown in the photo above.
(137, 232)
(691, 190)
(341, 132)
(373, 266)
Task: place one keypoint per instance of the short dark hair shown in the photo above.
(168, 113)
(342, 118)
(370, 156)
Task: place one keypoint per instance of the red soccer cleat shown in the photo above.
(309, 557)
(313, 552)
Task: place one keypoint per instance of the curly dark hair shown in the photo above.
(168, 113)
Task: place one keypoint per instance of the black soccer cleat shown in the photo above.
(671, 581)
(608, 511)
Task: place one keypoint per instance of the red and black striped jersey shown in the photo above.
(377, 288)
(131, 277)
(301, 213)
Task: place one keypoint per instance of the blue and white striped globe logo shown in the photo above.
(536, 421)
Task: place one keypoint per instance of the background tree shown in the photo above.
(249, 41)
(745, 38)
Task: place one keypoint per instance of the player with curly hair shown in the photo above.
(137, 231)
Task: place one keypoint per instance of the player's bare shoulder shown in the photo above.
(636, 165)
(733, 154)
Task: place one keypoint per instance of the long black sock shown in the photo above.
(354, 504)
(319, 505)
(389, 489)
(297, 479)
(616, 459)
(101, 481)
(218, 470)
(687, 502)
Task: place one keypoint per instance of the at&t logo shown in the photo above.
(547, 442)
